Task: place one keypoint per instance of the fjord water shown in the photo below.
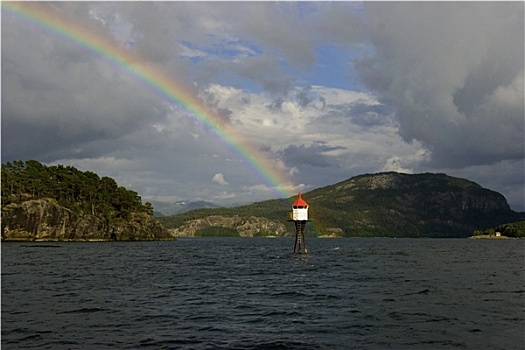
(234, 293)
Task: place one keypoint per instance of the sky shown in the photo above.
(323, 91)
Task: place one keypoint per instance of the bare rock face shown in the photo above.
(141, 227)
(246, 227)
(46, 220)
(256, 225)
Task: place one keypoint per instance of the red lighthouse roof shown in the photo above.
(299, 202)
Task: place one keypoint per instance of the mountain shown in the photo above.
(371, 205)
(167, 209)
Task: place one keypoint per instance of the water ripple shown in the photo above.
(254, 294)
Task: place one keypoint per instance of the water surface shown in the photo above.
(234, 293)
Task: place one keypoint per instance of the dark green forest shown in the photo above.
(83, 192)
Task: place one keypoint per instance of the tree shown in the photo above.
(81, 192)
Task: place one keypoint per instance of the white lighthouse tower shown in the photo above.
(299, 216)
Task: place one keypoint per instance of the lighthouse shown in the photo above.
(299, 216)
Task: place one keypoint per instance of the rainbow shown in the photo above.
(161, 83)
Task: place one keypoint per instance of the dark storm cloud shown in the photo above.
(454, 74)
(365, 114)
(313, 155)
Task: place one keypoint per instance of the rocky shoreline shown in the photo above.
(44, 220)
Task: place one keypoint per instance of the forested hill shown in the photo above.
(414, 205)
(371, 205)
(80, 191)
(63, 203)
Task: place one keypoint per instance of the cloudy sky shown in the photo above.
(325, 90)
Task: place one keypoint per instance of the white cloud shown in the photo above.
(219, 179)
(395, 164)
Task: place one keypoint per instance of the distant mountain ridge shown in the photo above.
(370, 205)
(179, 207)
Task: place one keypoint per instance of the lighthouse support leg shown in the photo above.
(300, 244)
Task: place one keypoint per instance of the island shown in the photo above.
(504, 231)
(62, 203)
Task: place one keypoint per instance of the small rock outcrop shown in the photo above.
(46, 220)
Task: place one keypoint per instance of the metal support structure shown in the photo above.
(300, 244)
(299, 215)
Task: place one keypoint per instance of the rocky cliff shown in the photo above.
(245, 227)
(46, 220)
